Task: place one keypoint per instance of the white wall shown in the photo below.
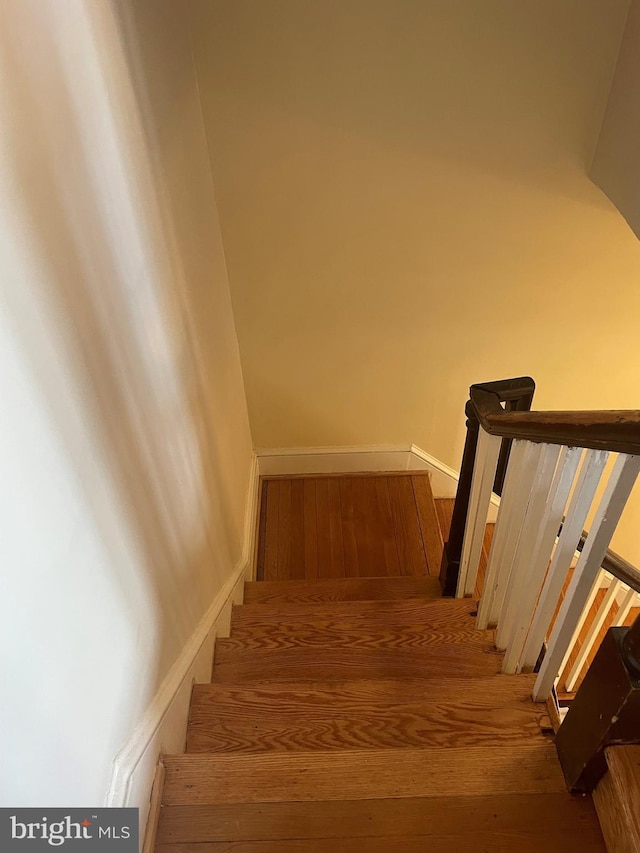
(616, 165)
(406, 210)
(125, 450)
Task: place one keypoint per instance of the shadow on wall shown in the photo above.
(150, 464)
(156, 41)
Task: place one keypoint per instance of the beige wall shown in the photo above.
(125, 448)
(405, 210)
(616, 165)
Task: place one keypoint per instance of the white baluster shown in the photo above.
(592, 634)
(594, 629)
(586, 610)
(590, 472)
(503, 524)
(616, 494)
(534, 513)
(484, 472)
(540, 555)
(519, 461)
(623, 611)
(530, 466)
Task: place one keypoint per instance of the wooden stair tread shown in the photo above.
(617, 799)
(342, 664)
(517, 816)
(361, 774)
(491, 842)
(363, 715)
(345, 589)
(441, 612)
(335, 635)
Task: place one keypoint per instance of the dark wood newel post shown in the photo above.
(517, 396)
(606, 710)
(450, 565)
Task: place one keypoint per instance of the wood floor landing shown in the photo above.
(348, 527)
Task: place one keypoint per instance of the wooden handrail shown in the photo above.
(606, 709)
(616, 430)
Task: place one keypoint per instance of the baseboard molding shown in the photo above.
(444, 480)
(362, 459)
(333, 460)
(155, 806)
(162, 728)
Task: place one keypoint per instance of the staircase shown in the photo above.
(366, 714)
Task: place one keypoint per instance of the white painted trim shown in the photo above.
(579, 595)
(592, 635)
(251, 520)
(444, 479)
(541, 554)
(496, 562)
(523, 470)
(514, 598)
(361, 459)
(163, 725)
(330, 450)
(564, 554)
(628, 601)
(334, 460)
(484, 472)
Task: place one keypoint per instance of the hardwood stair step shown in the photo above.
(489, 841)
(436, 613)
(346, 589)
(617, 799)
(363, 715)
(337, 635)
(558, 821)
(361, 774)
(346, 663)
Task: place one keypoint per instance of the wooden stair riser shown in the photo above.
(441, 613)
(239, 665)
(348, 589)
(324, 634)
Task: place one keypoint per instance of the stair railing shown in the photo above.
(516, 395)
(544, 572)
(618, 588)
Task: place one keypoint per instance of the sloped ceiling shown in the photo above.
(616, 165)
